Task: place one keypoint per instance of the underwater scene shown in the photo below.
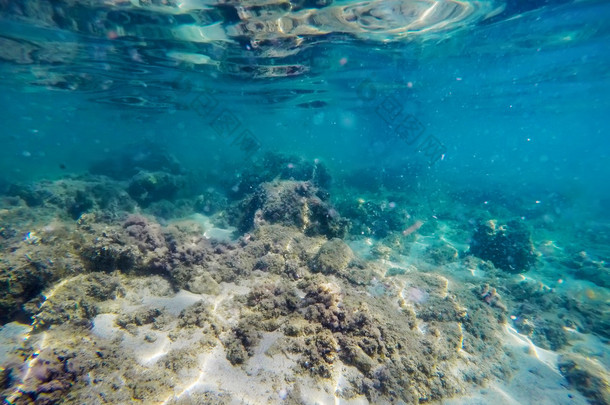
(305, 202)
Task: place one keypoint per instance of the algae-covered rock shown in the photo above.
(333, 257)
(210, 202)
(291, 203)
(81, 203)
(587, 377)
(241, 341)
(146, 187)
(125, 163)
(278, 166)
(583, 266)
(509, 247)
(441, 253)
(32, 195)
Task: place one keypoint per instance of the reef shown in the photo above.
(123, 304)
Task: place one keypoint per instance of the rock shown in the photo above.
(127, 162)
(292, 203)
(108, 253)
(374, 218)
(146, 187)
(333, 257)
(210, 202)
(587, 377)
(584, 267)
(33, 196)
(441, 253)
(509, 247)
(275, 166)
(80, 204)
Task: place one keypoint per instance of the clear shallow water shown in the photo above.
(448, 107)
(483, 86)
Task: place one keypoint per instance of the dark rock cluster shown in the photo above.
(292, 203)
(509, 247)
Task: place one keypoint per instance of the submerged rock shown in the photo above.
(32, 195)
(509, 247)
(127, 162)
(587, 377)
(276, 166)
(146, 187)
(145, 305)
(292, 203)
(583, 266)
(333, 257)
(81, 203)
(75, 196)
(441, 253)
(374, 218)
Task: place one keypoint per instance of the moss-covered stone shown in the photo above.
(333, 257)
(587, 377)
(509, 247)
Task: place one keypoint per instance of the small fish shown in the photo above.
(412, 228)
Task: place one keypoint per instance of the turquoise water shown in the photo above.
(415, 132)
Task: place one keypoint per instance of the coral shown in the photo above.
(509, 247)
